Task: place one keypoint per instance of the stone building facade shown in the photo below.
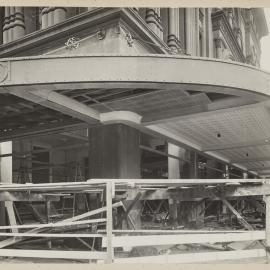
(104, 87)
(225, 33)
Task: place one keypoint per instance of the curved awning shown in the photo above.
(149, 71)
(184, 99)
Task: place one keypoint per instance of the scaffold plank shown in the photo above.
(196, 257)
(156, 240)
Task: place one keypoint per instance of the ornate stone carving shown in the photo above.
(101, 34)
(72, 43)
(129, 39)
(221, 24)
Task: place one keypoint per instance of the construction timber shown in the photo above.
(96, 226)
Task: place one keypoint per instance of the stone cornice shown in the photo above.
(220, 23)
(54, 36)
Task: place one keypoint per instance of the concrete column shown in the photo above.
(173, 164)
(59, 14)
(114, 153)
(19, 26)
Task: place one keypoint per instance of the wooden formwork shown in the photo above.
(118, 190)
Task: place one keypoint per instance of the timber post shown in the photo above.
(109, 223)
(267, 226)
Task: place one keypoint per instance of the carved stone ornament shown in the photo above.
(3, 72)
(72, 43)
(101, 34)
(129, 39)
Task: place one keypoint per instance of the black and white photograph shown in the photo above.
(134, 135)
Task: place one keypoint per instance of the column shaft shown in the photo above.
(114, 153)
(6, 25)
(59, 15)
(44, 18)
(19, 27)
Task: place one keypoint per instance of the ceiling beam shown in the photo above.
(75, 136)
(260, 168)
(61, 103)
(42, 130)
(169, 136)
(246, 160)
(199, 110)
(253, 143)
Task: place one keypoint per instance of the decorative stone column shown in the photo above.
(190, 33)
(6, 25)
(59, 14)
(209, 32)
(152, 18)
(19, 26)
(173, 29)
(202, 31)
(50, 16)
(44, 18)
